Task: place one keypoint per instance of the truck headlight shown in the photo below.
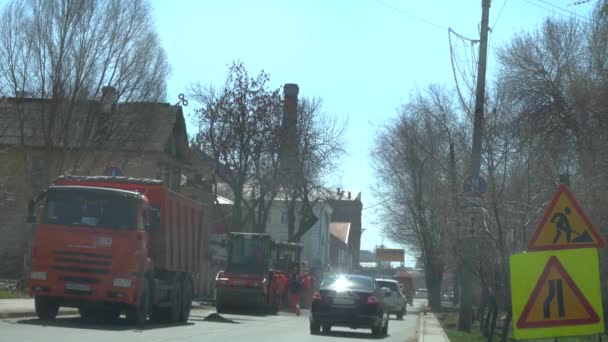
(121, 282)
(38, 275)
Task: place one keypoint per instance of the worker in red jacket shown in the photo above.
(307, 290)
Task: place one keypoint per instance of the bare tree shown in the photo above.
(412, 163)
(238, 126)
(65, 52)
(321, 145)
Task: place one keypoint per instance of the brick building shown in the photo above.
(340, 252)
(347, 207)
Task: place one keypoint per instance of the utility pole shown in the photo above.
(465, 316)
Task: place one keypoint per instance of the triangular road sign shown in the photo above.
(556, 301)
(564, 226)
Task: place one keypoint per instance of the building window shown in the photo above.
(284, 217)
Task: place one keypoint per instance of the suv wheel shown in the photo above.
(384, 331)
(315, 327)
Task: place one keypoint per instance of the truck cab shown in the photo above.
(111, 245)
(90, 244)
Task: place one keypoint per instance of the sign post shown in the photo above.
(555, 290)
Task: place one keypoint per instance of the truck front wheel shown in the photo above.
(138, 313)
(46, 308)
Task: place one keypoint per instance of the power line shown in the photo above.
(499, 14)
(563, 9)
(553, 11)
(412, 15)
(377, 204)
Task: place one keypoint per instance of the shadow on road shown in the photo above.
(118, 325)
(353, 335)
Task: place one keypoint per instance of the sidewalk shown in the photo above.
(429, 329)
(24, 308)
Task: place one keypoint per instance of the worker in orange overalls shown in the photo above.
(295, 287)
(281, 288)
(307, 290)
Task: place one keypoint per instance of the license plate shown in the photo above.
(344, 300)
(239, 282)
(78, 287)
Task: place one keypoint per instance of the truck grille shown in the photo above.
(79, 262)
(82, 269)
(82, 261)
(80, 280)
(84, 255)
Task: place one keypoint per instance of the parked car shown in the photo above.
(396, 301)
(352, 301)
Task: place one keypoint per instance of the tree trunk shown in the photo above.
(487, 320)
(237, 213)
(493, 322)
(434, 275)
(506, 325)
(482, 321)
(456, 298)
(307, 221)
(291, 217)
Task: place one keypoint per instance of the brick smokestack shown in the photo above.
(109, 99)
(289, 134)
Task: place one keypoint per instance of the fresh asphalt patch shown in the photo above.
(215, 317)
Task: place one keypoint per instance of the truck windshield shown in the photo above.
(91, 209)
(248, 255)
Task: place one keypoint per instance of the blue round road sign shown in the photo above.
(477, 185)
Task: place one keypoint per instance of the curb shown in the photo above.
(421, 327)
(30, 314)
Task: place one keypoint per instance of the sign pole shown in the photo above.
(564, 179)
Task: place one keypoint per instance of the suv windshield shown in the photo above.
(102, 209)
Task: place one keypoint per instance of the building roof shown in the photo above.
(113, 179)
(340, 230)
(345, 195)
(139, 126)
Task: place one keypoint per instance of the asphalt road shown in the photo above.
(243, 328)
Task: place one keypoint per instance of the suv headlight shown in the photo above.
(38, 275)
(121, 282)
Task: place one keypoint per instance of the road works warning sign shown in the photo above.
(556, 293)
(564, 226)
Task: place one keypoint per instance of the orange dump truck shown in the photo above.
(114, 245)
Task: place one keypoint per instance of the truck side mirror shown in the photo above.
(31, 212)
(154, 220)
